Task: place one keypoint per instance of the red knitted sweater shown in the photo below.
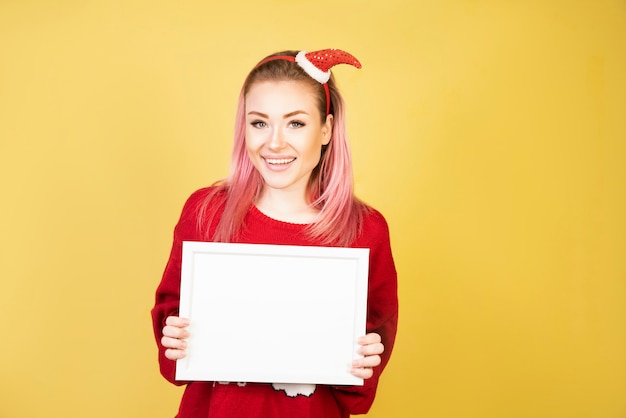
(261, 400)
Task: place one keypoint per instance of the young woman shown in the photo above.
(290, 183)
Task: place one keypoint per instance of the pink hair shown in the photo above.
(330, 187)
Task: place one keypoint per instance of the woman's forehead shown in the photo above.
(281, 93)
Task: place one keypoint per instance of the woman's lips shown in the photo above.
(279, 161)
(279, 164)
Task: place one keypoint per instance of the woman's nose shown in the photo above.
(277, 139)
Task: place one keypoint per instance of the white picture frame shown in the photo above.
(272, 313)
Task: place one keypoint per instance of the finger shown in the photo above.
(175, 332)
(362, 373)
(366, 362)
(174, 354)
(177, 321)
(371, 349)
(174, 343)
(371, 338)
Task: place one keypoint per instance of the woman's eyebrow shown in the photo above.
(288, 115)
(254, 112)
(294, 113)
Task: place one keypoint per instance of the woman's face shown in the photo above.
(284, 133)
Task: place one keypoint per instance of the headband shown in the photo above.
(318, 64)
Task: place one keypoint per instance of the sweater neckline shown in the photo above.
(257, 214)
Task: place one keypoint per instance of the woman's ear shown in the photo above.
(327, 130)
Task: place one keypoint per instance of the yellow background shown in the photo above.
(491, 134)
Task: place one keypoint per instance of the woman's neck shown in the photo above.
(286, 206)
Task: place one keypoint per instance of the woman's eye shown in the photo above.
(258, 124)
(296, 124)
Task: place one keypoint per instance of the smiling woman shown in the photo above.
(329, 187)
(290, 184)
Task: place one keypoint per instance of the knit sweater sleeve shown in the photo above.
(382, 311)
(167, 296)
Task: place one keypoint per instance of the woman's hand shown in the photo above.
(174, 335)
(371, 349)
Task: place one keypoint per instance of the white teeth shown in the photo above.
(279, 160)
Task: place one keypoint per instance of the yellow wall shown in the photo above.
(490, 133)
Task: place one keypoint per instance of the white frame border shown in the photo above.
(336, 275)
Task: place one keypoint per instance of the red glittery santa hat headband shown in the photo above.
(317, 64)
